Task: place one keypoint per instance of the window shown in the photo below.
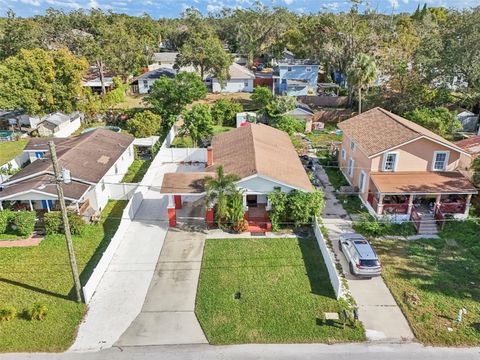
(361, 181)
(308, 69)
(440, 160)
(245, 84)
(390, 162)
(344, 154)
(352, 145)
(145, 83)
(289, 68)
(277, 188)
(350, 167)
(103, 186)
(130, 151)
(116, 169)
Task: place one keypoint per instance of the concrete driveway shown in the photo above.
(378, 310)
(167, 316)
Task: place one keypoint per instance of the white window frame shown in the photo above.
(353, 146)
(362, 179)
(289, 68)
(384, 163)
(351, 164)
(245, 83)
(447, 156)
(344, 154)
(308, 69)
(145, 84)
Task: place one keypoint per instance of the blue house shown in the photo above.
(296, 77)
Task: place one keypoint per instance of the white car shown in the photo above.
(362, 259)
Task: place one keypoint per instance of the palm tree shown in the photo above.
(218, 188)
(362, 74)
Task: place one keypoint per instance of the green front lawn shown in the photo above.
(432, 279)
(11, 149)
(42, 274)
(284, 288)
(136, 171)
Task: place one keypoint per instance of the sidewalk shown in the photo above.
(378, 311)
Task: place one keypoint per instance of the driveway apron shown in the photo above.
(167, 316)
(378, 311)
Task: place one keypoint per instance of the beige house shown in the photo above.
(402, 170)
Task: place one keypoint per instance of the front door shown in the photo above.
(47, 204)
(252, 200)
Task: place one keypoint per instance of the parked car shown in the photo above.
(362, 259)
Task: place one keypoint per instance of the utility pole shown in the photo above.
(66, 224)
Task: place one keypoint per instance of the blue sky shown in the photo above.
(172, 8)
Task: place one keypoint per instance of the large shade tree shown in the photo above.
(362, 74)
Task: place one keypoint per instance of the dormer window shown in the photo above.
(390, 162)
(440, 160)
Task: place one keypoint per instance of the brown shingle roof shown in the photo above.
(378, 130)
(72, 191)
(471, 145)
(259, 149)
(422, 182)
(184, 182)
(88, 156)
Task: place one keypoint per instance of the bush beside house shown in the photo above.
(20, 222)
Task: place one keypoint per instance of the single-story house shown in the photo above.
(296, 77)
(60, 125)
(240, 80)
(403, 171)
(95, 160)
(304, 113)
(262, 157)
(143, 83)
(95, 84)
(167, 60)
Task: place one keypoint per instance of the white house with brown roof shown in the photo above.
(97, 160)
(240, 80)
(261, 156)
(402, 170)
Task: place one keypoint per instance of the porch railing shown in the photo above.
(84, 207)
(395, 208)
(452, 208)
(416, 219)
(439, 218)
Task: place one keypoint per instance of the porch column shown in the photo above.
(380, 205)
(209, 217)
(172, 213)
(1, 206)
(78, 207)
(31, 205)
(410, 204)
(268, 207)
(468, 204)
(178, 201)
(244, 198)
(438, 202)
(48, 206)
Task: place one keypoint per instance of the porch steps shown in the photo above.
(428, 225)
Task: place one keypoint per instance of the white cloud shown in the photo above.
(288, 2)
(68, 4)
(31, 2)
(331, 6)
(393, 3)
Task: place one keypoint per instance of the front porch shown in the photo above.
(44, 206)
(425, 198)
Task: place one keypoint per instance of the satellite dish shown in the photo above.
(67, 179)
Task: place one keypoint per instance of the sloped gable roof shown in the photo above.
(379, 130)
(258, 149)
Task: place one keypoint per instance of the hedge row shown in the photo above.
(22, 222)
(54, 225)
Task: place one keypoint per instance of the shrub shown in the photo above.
(288, 124)
(144, 124)
(37, 312)
(369, 226)
(54, 224)
(224, 112)
(7, 313)
(5, 218)
(24, 222)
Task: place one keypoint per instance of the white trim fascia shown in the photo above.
(418, 138)
(36, 192)
(447, 157)
(24, 178)
(272, 180)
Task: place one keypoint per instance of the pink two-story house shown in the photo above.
(402, 170)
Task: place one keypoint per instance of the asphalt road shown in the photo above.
(363, 351)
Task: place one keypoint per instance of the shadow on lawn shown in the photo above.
(316, 269)
(34, 288)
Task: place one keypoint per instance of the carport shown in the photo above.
(186, 193)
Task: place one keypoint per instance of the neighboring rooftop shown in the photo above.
(88, 156)
(378, 130)
(157, 74)
(259, 149)
(184, 182)
(240, 72)
(164, 57)
(470, 145)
